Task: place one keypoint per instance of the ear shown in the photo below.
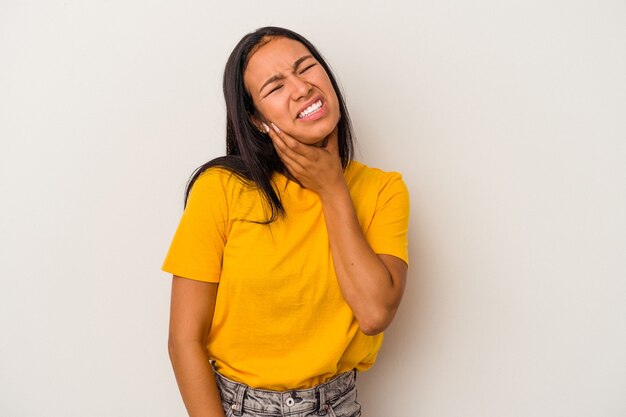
(260, 124)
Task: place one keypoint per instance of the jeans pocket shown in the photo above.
(345, 406)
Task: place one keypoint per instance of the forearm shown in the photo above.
(365, 282)
(196, 380)
(372, 285)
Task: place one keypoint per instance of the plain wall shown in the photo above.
(506, 118)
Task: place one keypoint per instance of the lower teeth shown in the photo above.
(308, 114)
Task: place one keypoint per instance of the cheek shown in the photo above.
(332, 93)
(264, 110)
(274, 110)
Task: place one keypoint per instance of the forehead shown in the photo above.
(274, 57)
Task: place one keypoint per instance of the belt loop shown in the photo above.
(240, 392)
(322, 407)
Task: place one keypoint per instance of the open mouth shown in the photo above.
(312, 109)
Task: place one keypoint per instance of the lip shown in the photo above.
(313, 100)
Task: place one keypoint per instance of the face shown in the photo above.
(291, 89)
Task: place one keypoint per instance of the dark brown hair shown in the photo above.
(250, 154)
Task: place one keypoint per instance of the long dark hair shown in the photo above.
(250, 154)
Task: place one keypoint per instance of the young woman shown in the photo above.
(290, 258)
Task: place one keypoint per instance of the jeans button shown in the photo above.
(290, 402)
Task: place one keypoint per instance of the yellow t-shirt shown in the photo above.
(280, 320)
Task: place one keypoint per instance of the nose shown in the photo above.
(299, 87)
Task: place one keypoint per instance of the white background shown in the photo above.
(506, 118)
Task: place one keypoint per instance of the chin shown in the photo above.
(311, 140)
(314, 136)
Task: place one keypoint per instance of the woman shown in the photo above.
(290, 258)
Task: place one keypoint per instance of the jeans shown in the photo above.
(335, 398)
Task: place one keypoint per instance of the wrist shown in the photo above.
(336, 193)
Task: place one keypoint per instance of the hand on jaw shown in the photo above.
(317, 168)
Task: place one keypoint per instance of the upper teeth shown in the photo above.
(312, 108)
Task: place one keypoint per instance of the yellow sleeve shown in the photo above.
(387, 233)
(198, 244)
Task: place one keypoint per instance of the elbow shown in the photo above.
(376, 322)
(177, 346)
(372, 330)
(171, 347)
(174, 342)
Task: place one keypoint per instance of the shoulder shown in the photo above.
(219, 178)
(216, 186)
(360, 175)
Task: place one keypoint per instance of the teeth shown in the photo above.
(311, 109)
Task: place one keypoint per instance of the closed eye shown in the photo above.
(307, 68)
(278, 87)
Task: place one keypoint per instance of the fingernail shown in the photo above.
(266, 127)
(275, 128)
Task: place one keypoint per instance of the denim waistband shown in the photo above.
(240, 397)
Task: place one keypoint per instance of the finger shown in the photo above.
(294, 144)
(289, 157)
(283, 150)
(280, 142)
(292, 165)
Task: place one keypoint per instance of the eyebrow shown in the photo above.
(277, 77)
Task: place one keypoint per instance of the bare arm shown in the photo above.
(191, 313)
(371, 284)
